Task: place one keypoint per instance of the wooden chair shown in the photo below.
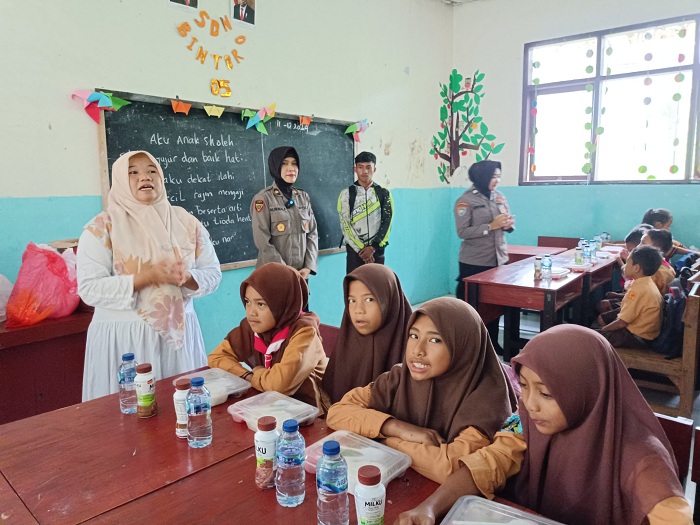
(679, 431)
(695, 475)
(557, 242)
(329, 334)
(679, 371)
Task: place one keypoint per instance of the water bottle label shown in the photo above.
(337, 486)
(289, 461)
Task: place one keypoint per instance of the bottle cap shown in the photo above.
(183, 383)
(267, 423)
(331, 448)
(547, 255)
(538, 257)
(197, 381)
(128, 357)
(144, 368)
(290, 425)
(369, 475)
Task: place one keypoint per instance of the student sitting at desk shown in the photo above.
(662, 240)
(661, 218)
(276, 340)
(596, 453)
(638, 321)
(446, 401)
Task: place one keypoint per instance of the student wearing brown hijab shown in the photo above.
(373, 330)
(446, 401)
(279, 343)
(596, 453)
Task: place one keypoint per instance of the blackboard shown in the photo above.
(214, 166)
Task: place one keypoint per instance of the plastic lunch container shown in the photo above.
(274, 404)
(358, 451)
(476, 510)
(220, 384)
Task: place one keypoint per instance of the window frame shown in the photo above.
(530, 91)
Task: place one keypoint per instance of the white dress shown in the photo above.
(117, 329)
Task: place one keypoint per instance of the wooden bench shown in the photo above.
(679, 431)
(695, 475)
(679, 371)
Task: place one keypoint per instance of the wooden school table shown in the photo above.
(518, 252)
(88, 462)
(512, 287)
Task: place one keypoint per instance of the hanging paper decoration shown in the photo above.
(305, 121)
(94, 101)
(357, 128)
(214, 111)
(180, 107)
(258, 118)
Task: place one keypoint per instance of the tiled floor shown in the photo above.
(530, 326)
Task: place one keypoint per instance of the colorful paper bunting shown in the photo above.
(180, 107)
(94, 101)
(305, 121)
(258, 118)
(357, 128)
(214, 111)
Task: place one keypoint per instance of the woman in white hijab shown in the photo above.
(140, 263)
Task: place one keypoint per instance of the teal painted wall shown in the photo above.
(417, 253)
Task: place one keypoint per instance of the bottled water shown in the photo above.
(199, 429)
(127, 389)
(290, 476)
(587, 253)
(546, 267)
(332, 486)
(598, 242)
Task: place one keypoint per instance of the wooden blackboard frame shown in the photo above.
(150, 99)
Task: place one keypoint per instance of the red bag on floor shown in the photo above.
(46, 287)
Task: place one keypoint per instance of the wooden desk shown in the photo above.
(513, 286)
(518, 252)
(89, 462)
(45, 363)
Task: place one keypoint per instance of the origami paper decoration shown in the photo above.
(258, 118)
(180, 107)
(305, 121)
(94, 101)
(214, 111)
(357, 128)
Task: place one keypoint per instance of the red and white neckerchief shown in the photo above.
(274, 345)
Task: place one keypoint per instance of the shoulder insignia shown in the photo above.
(632, 295)
(475, 192)
(462, 208)
(499, 199)
(295, 192)
(280, 227)
(513, 424)
(276, 192)
(259, 205)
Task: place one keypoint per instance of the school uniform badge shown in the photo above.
(280, 227)
(462, 208)
(259, 205)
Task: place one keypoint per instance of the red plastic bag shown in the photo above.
(46, 287)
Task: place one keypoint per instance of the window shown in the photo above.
(613, 106)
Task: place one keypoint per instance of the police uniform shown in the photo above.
(285, 235)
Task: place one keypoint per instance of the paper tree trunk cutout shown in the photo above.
(461, 128)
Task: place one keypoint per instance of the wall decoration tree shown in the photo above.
(461, 127)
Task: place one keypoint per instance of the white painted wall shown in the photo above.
(491, 35)
(372, 59)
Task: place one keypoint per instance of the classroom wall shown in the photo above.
(331, 58)
(491, 35)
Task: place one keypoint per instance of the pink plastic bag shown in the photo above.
(46, 287)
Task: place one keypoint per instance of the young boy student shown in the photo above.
(277, 341)
(641, 311)
(446, 401)
(662, 240)
(596, 453)
(365, 211)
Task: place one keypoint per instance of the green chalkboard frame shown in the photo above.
(328, 207)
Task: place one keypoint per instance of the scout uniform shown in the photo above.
(287, 235)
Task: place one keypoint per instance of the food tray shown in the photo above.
(274, 404)
(359, 451)
(473, 510)
(220, 384)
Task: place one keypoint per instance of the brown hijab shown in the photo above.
(588, 474)
(284, 291)
(472, 393)
(360, 359)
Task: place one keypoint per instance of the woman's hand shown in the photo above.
(413, 433)
(164, 272)
(417, 516)
(503, 220)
